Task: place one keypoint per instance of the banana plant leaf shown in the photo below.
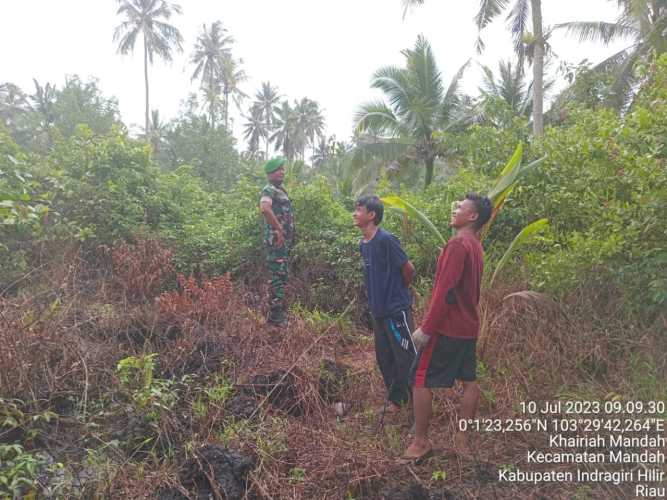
(526, 233)
(507, 177)
(404, 207)
(505, 183)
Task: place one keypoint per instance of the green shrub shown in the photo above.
(604, 186)
(23, 210)
(105, 184)
(18, 471)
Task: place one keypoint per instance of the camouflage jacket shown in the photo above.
(282, 208)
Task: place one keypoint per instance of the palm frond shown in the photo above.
(129, 9)
(637, 12)
(454, 85)
(169, 33)
(599, 31)
(488, 11)
(122, 28)
(422, 67)
(378, 118)
(479, 45)
(489, 86)
(451, 98)
(364, 172)
(518, 20)
(199, 69)
(127, 42)
(393, 82)
(656, 36)
(167, 9)
(409, 3)
(621, 89)
(613, 62)
(371, 156)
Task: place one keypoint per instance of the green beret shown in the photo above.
(273, 164)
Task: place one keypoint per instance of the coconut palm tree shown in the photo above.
(43, 104)
(285, 134)
(208, 57)
(418, 104)
(643, 23)
(159, 131)
(531, 46)
(231, 77)
(321, 152)
(267, 99)
(149, 19)
(16, 113)
(510, 87)
(526, 45)
(255, 128)
(13, 103)
(309, 122)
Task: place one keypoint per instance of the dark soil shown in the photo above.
(214, 472)
(415, 491)
(205, 358)
(333, 380)
(240, 406)
(216, 468)
(283, 392)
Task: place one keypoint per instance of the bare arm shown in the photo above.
(408, 271)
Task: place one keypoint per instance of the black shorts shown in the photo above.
(444, 360)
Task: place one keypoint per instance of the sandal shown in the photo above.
(418, 460)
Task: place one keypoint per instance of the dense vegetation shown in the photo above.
(132, 290)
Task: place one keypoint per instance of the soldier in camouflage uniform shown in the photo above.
(276, 209)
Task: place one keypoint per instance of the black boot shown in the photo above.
(277, 315)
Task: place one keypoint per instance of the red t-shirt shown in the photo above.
(453, 308)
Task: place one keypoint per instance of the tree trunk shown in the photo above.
(148, 123)
(212, 102)
(266, 139)
(428, 177)
(226, 108)
(538, 69)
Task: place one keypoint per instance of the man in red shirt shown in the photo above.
(447, 337)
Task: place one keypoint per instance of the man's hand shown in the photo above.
(280, 239)
(408, 271)
(420, 339)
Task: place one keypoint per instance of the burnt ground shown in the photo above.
(239, 410)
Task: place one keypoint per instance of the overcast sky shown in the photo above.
(321, 49)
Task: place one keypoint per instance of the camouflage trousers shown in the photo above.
(277, 262)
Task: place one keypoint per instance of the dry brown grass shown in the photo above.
(532, 350)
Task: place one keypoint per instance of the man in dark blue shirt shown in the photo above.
(388, 274)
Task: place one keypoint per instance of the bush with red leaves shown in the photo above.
(141, 269)
(192, 301)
